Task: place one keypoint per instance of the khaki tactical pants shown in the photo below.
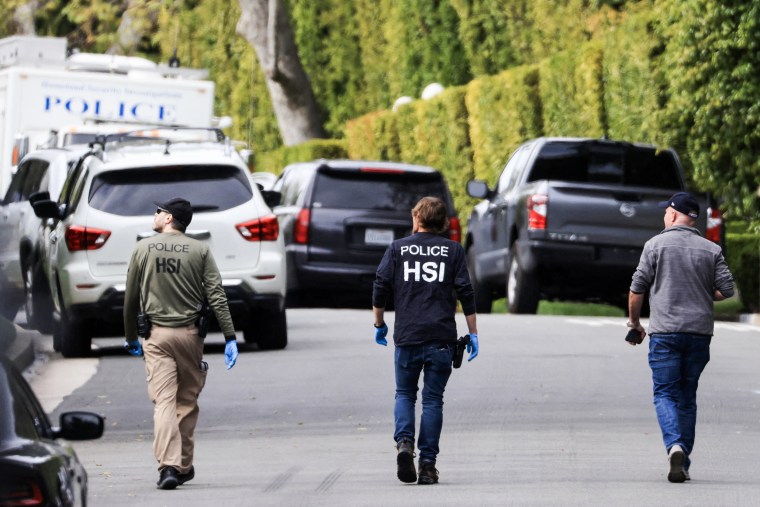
(173, 358)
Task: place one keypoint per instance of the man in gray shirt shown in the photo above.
(683, 274)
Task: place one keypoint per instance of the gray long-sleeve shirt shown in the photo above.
(681, 271)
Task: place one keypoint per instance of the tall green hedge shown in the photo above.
(744, 262)
(275, 161)
(571, 90)
(712, 112)
(503, 111)
(632, 81)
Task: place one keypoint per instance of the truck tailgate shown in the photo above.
(605, 215)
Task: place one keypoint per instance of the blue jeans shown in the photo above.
(677, 360)
(434, 359)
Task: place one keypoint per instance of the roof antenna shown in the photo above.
(174, 61)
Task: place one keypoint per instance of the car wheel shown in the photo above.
(483, 296)
(37, 302)
(72, 336)
(522, 289)
(269, 329)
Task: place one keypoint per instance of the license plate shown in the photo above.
(378, 236)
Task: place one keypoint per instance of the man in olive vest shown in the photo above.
(169, 276)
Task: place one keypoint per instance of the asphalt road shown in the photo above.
(554, 411)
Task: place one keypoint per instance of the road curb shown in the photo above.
(750, 318)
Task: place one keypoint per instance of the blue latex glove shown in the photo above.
(472, 347)
(230, 353)
(134, 347)
(380, 334)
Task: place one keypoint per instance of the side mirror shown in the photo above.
(39, 196)
(80, 426)
(271, 197)
(479, 189)
(46, 208)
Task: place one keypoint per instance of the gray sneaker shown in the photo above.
(676, 457)
(405, 461)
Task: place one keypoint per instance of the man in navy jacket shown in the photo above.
(426, 273)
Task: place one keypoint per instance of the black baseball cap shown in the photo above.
(179, 208)
(683, 202)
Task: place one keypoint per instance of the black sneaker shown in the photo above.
(167, 478)
(428, 473)
(189, 476)
(405, 461)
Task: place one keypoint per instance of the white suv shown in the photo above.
(40, 175)
(106, 207)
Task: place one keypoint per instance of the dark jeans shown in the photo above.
(435, 361)
(677, 360)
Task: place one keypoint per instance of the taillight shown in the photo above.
(85, 238)
(714, 225)
(15, 492)
(537, 205)
(301, 227)
(455, 230)
(382, 170)
(261, 229)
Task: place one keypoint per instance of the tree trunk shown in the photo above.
(135, 23)
(24, 17)
(266, 26)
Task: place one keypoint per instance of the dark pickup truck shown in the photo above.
(568, 220)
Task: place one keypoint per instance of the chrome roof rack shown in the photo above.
(159, 134)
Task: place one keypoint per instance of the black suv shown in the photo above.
(339, 216)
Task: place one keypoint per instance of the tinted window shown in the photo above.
(131, 192)
(17, 183)
(514, 167)
(22, 416)
(292, 183)
(606, 163)
(380, 191)
(34, 180)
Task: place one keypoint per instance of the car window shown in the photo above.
(76, 193)
(293, 183)
(131, 192)
(34, 180)
(14, 194)
(601, 163)
(28, 420)
(71, 182)
(512, 169)
(379, 191)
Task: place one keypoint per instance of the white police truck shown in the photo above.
(43, 89)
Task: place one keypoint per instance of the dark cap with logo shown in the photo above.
(179, 208)
(683, 202)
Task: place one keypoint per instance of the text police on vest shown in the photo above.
(168, 247)
(428, 271)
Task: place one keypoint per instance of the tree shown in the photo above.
(265, 24)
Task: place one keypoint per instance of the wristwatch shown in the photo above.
(631, 324)
(378, 327)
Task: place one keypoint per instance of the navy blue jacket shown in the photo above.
(425, 273)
